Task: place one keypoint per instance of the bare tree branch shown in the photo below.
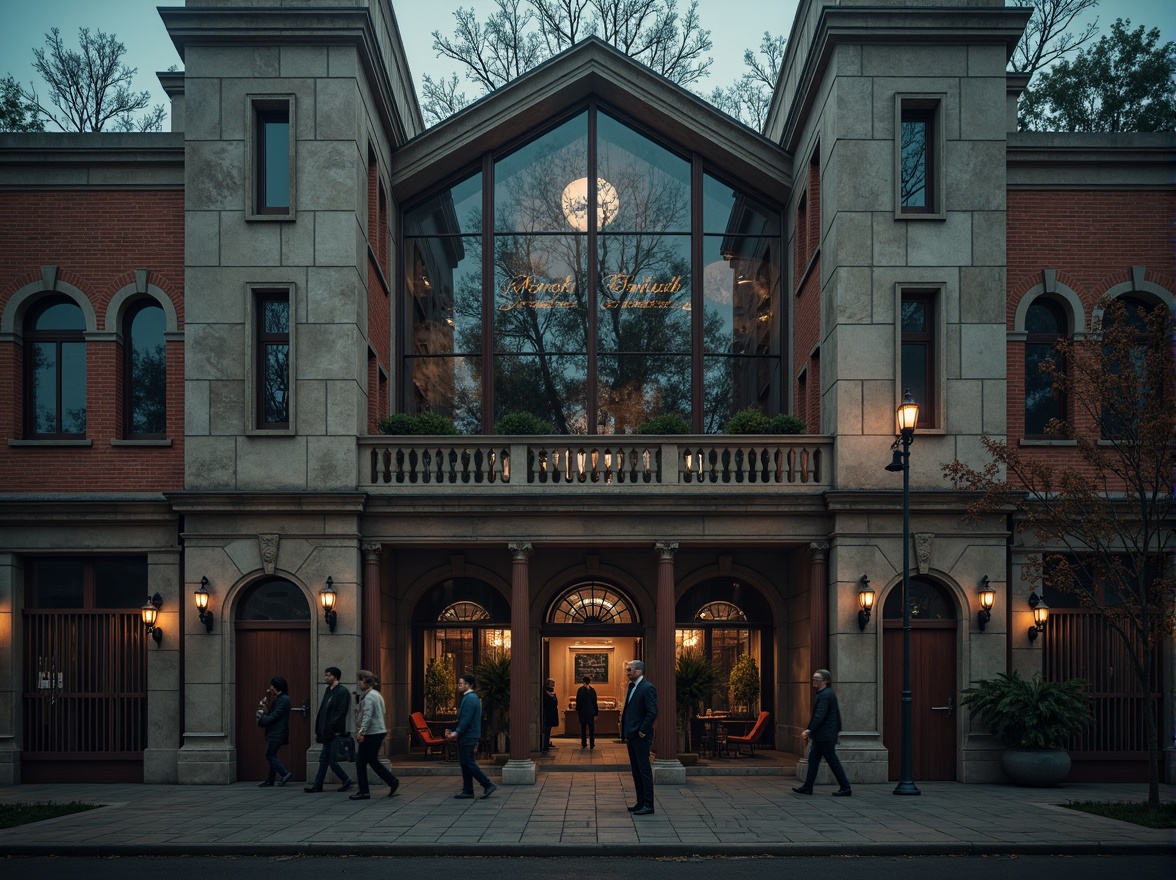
(1047, 37)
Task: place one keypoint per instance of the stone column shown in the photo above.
(818, 606)
(370, 650)
(667, 769)
(520, 769)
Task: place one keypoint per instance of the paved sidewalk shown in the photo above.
(578, 814)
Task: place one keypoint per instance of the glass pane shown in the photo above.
(45, 387)
(73, 388)
(277, 384)
(529, 183)
(276, 316)
(452, 211)
(913, 183)
(60, 316)
(728, 211)
(449, 386)
(731, 384)
(120, 582)
(644, 297)
(57, 583)
(914, 372)
(634, 388)
(444, 284)
(739, 286)
(493, 643)
(457, 647)
(539, 294)
(1040, 403)
(928, 601)
(274, 600)
(277, 163)
(914, 317)
(646, 186)
(552, 387)
(1044, 317)
(148, 379)
(686, 640)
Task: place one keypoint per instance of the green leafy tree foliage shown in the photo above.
(744, 682)
(1105, 517)
(440, 686)
(16, 114)
(1124, 82)
(521, 34)
(90, 88)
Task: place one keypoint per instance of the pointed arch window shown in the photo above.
(592, 603)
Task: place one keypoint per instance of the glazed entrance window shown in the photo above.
(595, 278)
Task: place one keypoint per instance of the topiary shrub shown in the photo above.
(670, 423)
(420, 423)
(747, 421)
(522, 423)
(785, 424)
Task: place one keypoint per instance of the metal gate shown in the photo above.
(84, 696)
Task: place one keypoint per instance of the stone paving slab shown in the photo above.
(575, 814)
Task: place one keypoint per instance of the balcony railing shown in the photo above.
(605, 464)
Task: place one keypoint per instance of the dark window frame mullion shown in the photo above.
(697, 374)
(592, 277)
(489, 344)
(262, 341)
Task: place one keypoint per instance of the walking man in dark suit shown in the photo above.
(331, 722)
(587, 707)
(637, 730)
(822, 732)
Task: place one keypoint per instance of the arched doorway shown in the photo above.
(272, 638)
(934, 696)
(592, 628)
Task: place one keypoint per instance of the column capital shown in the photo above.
(819, 549)
(371, 552)
(666, 549)
(519, 550)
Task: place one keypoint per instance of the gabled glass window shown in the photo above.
(612, 280)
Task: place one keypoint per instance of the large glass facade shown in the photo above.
(595, 307)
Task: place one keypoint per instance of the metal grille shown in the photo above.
(1080, 644)
(85, 683)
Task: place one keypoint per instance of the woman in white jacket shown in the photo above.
(370, 731)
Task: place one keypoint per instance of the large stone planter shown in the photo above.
(1035, 768)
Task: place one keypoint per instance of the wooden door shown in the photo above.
(266, 649)
(934, 698)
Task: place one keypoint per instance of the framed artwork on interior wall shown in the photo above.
(595, 665)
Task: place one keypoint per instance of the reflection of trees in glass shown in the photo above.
(147, 382)
(913, 171)
(275, 360)
(58, 368)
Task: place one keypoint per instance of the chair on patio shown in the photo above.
(752, 738)
(431, 742)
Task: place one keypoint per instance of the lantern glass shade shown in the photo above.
(1040, 615)
(150, 614)
(201, 596)
(866, 598)
(908, 414)
(327, 597)
(987, 598)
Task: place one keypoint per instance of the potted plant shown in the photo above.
(744, 684)
(523, 423)
(1034, 719)
(439, 688)
(426, 423)
(695, 680)
(670, 423)
(493, 689)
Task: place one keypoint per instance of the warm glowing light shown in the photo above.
(575, 202)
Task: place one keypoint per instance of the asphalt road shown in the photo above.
(580, 868)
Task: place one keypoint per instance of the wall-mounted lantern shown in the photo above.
(327, 596)
(1040, 615)
(202, 596)
(987, 600)
(865, 602)
(150, 613)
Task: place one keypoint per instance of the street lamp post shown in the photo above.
(908, 417)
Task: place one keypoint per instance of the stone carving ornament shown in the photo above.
(269, 552)
(923, 551)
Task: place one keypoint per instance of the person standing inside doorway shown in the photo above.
(370, 730)
(331, 722)
(468, 733)
(275, 718)
(822, 732)
(637, 730)
(550, 713)
(587, 708)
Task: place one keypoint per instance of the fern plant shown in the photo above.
(493, 689)
(1030, 714)
(695, 680)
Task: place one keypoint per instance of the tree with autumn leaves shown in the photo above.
(1104, 518)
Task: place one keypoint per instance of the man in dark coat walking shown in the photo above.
(331, 722)
(276, 722)
(637, 730)
(587, 708)
(822, 732)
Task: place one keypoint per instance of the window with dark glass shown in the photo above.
(273, 359)
(1132, 369)
(604, 301)
(918, 353)
(55, 369)
(1045, 325)
(81, 582)
(918, 157)
(145, 370)
(272, 166)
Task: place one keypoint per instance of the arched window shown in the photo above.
(928, 601)
(55, 369)
(1136, 372)
(1045, 325)
(591, 603)
(274, 599)
(463, 611)
(145, 370)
